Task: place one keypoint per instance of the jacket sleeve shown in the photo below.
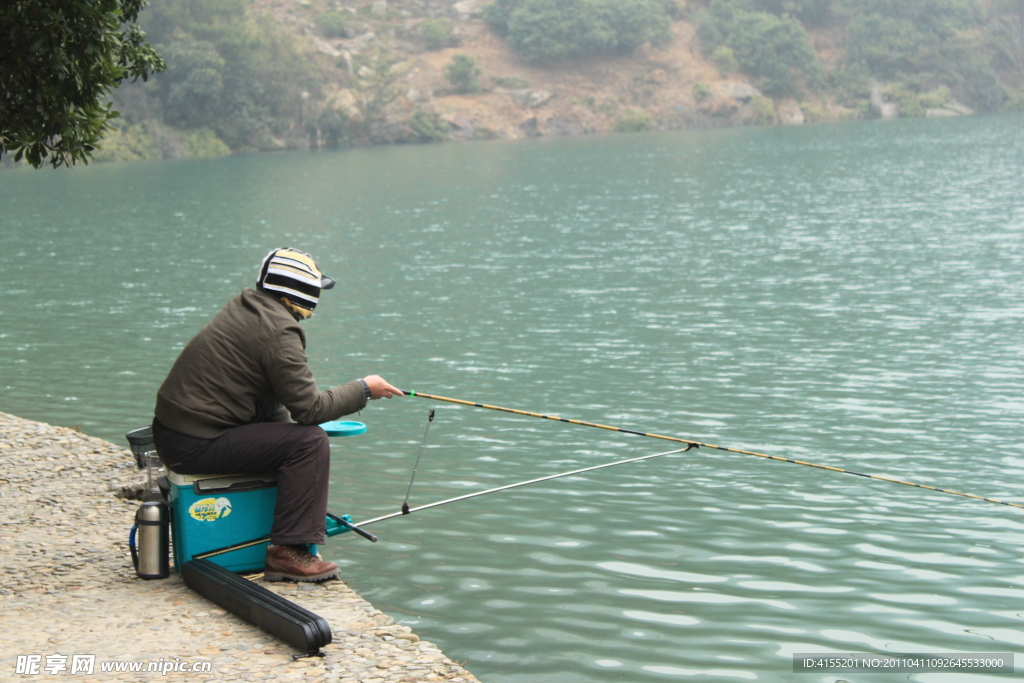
(292, 382)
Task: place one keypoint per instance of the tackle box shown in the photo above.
(214, 511)
(209, 512)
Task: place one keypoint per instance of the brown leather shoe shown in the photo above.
(296, 563)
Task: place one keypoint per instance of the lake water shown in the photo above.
(850, 295)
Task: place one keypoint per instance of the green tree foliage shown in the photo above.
(498, 13)
(893, 37)
(925, 44)
(425, 127)
(437, 34)
(763, 110)
(463, 73)
(334, 25)
(633, 120)
(724, 59)
(921, 44)
(774, 50)
(809, 12)
(1005, 26)
(239, 75)
(332, 127)
(674, 9)
(193, 87)
(548, 31)
(59, 60)
(127, 143)
(374, 94)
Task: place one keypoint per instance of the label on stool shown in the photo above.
(210, 509)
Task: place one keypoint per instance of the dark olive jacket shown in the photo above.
(248, 365)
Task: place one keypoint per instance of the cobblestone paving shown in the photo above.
(67, 588)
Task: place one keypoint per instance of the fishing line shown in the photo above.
(695, 444)
(405, 503)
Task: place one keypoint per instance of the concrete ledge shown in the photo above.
(68, 588)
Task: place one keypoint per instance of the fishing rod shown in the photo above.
(406, 510)
(690, 444)
(698, 444)
(341, 524)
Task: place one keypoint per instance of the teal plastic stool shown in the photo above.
(210, 512)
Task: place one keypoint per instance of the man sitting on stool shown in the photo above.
(225, 407)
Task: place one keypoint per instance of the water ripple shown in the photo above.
(845, 295)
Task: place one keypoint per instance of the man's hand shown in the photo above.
(379, 388)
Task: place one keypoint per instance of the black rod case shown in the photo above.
(276, 615)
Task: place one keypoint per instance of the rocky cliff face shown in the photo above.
(387, 73)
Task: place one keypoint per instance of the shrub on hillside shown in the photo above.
(763, 110)
(333, 127)
(976, 83)
(127, 143)
(813, 112)
(633, 120)
(724, 59)
(334, 25)
(547, 31)
(675, 10)
(202, 144)
(498, 12)
(437, 34)
(463, 73)
(928, 44)
(194, 83)
(774, 50)
(426, 126)
(809, 12)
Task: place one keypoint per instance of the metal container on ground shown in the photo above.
(152, 520)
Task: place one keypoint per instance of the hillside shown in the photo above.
(299, 74)
(596, 94)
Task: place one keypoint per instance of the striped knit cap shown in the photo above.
(292, 274)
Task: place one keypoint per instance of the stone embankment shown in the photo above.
(73, 608)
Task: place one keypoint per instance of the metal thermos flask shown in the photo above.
(154, 524)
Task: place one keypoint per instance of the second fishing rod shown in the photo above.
(689, 445)
(698, 444)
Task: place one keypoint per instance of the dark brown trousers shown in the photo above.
(299, 454)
